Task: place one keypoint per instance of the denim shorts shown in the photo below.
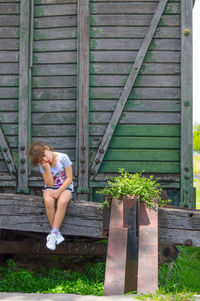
(54, 188)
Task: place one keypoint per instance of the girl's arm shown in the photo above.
(47, 176)
(65, 184)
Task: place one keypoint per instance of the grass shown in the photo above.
(54, 280)
(181, 280)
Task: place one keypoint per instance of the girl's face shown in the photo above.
(48, 156)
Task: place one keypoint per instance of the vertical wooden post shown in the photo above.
(186, 105)
(83, 99)
(26, 14)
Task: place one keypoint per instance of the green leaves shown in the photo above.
(127, 184)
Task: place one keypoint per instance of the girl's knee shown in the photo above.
(64, 199)
(49, 201)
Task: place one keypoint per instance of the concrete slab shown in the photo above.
(61, 297)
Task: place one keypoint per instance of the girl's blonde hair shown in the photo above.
(36, 152)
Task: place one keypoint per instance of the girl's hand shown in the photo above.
(55, 193)
(46, 166)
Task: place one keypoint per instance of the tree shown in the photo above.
(196, 137)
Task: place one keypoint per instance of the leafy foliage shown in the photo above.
(127, 184)
(13, 279)
(196, 140)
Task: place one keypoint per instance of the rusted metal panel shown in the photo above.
(116, 254)
(148, 250)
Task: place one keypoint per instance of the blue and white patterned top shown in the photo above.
(58, 172)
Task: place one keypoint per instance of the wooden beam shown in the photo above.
(7, 155)
(127, 89)
(83, 99)
(186, 106)
(24, 95)
(39, 247)
(19, 212)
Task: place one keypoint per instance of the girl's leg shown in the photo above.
(50, 206)
(63, 201)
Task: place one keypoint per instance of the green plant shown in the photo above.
(127, 184)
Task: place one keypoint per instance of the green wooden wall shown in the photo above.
(148, 135)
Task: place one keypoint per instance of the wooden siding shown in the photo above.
(148, 134)
(54, 80)
(9, 82)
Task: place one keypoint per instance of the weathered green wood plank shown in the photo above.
(9, 56)
(54, 118)
(57, 81)
(130, 56)
(133, 32)
(186, 105)
(9, 93)
(141, 81)
(136, 105)
(49, 22)
(124, 68)
(9, 20)
(10, 129)
(54, 1)
(49, 94)
(132, 8)
(59, 142)
(142, 155)
(54, 106)
(132, 20)
(54, 69)
(55, 45)
(9, 9)
(131, 166)
(133, 44)
(9, 68)
(55, 33)
(138, 117)
(12, 141)
(54, 57)
(55, 10)
(136, 93)
(97, 81)
(9, 32)
(139, 130)
(140, 142)
(8, 105)
(9, 44)
(9, 81)
(8, 117)
(53, 131)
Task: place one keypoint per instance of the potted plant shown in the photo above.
(127, 185)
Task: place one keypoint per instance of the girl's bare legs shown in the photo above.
(63, 201)
(50, 206)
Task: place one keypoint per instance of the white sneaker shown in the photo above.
(51, 241)
(60, 238)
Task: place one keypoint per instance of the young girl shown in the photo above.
(56, 169)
